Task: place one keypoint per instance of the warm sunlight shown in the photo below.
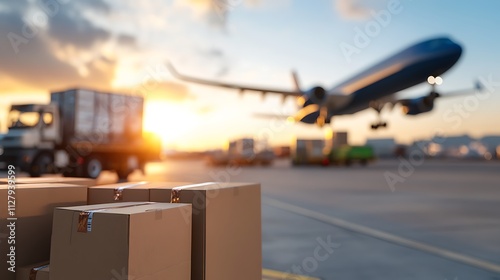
(169, 121)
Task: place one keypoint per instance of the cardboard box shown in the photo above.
(227, 236)
(50, 180)
(39, 271)
(34, 205)
(126, 192)
(129, 240)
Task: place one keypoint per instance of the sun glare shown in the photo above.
(168, 121)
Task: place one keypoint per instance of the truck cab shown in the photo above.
(33, 132)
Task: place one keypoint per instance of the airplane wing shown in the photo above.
(241, 88)
(434, 94)
(477, 87)
(425, 103)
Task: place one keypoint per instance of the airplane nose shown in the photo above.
(456, 51)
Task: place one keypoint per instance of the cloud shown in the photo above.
(205, 110)
(76, 31)
(35, 65)
(126, 40)
(358, 9)
(51, 47)
(217, 56)
(164, 91)
(216, 12)
(96, 5)
(213, 52)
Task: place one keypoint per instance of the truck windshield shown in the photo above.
(21, 119)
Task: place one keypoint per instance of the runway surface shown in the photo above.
(391, 220)
(405, 220)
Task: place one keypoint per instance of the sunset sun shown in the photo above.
(169, 121)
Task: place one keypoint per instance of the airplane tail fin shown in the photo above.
(296, 81)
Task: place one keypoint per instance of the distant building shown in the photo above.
(462, 146)
(492, 144)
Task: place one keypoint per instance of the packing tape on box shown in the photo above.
(85, 218)
(176, 192)
(118, 196)
(34, 271)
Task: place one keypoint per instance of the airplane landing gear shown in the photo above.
(378, 107)
(378, 125)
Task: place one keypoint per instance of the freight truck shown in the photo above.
(346, 155)
(80, 133)
(318, 152)
(309, 152)
(243, 151)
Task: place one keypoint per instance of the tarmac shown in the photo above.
(394, 219)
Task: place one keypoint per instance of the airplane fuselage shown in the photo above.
(406, 69)
(370, 88)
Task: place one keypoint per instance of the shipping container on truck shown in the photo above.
(244, 151)
(80, 133)
(309, 152)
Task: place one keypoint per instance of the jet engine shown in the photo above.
(419, 105)
(313, 109)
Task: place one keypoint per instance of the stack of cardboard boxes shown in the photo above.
(26, 216)
(143, 230)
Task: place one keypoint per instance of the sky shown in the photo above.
(124, 45)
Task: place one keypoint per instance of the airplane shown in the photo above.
(373, 88)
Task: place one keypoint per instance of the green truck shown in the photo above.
(315, 152)
(346, 155)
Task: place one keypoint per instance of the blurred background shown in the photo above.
(123, 46)
(404, 216)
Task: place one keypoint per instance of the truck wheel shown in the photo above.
(43, 164)
(92, 168)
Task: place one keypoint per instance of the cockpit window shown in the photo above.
(47, 118)
(19, 119)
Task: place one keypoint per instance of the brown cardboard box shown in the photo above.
(34, 205)
(129, 240)
(39, 271)
(227, 239)
(49, 180)
(126, 192)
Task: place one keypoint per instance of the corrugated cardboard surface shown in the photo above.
(227, 234)
(34, 209)
(136, 241)
(50, 180)
(233, 233)
(41, 271)
(129, 192)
